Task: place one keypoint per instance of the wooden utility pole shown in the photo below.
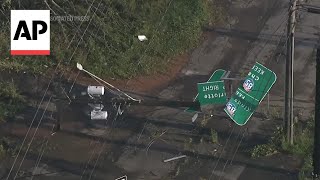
(288, 114)
(316, 150)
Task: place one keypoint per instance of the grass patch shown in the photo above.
(204, 121)
(214, 136)
(110, 46)
(302, 146)
(3, 152)
(274, 113)
(11, 102)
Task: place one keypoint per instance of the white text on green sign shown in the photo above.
(240, 107)
(212, 93)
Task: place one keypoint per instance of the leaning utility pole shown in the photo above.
(316, 150)
(288, 114)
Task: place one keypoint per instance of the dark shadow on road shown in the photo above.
(270, 38)
(76, 169)
(64, 166)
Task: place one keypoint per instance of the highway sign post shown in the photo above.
(248, 96)
(212, 93)
(216, 76)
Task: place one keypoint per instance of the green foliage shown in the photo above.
(10, 100)
(302, 146)
(263, 150)
(214, 136)
(274, 113)
(306, 168)
(2, 151)
(110, 46)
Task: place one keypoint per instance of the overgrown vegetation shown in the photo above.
(10, 146)
(3, 152)
(11, 101)
(274, 113)
(302, 147)
(110, 46)
(214, 136)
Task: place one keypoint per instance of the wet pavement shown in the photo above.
(137, 143)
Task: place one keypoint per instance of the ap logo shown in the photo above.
(30, 32)
(231, 108)
(248, 85)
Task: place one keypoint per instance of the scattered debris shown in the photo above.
(142, 38)
(174, 158)
(194, 117)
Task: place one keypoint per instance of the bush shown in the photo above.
(302, 146)
(214, 136)
(11, 101)
(263, 150)
(110, 46)
(2, 151)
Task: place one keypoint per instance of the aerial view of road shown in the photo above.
(138, 108)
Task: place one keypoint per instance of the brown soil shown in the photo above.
(142, 84)
(145, 84)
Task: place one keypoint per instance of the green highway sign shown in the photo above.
(216, 76)
(240, 107)
(248, 96)
(259, 81)
(212, 93)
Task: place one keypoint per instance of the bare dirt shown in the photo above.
(146, 84)
(143, 83)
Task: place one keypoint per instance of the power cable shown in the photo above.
(80, 39)
(52, 128)
(46, 140)
(95, 146)
(29, 144)
(244, 131)
(112, 122)
(282, 21)
(242, 136)
(103, 146)
(161, 20)
(36, 114)
(225, 164)
(222, 152)
(90, 158)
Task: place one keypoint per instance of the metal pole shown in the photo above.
(293, 21)
(316, 150)
(287, 84)
(268, 103)
(175, 158)
(231, 89)
(288, 114)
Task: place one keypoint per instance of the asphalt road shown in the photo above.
(256, 32)
(137, 144)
